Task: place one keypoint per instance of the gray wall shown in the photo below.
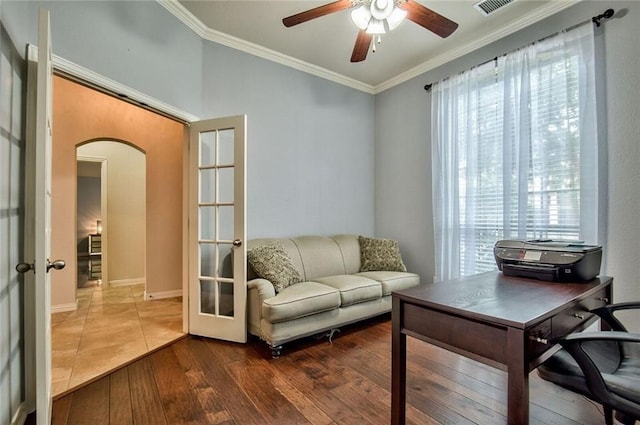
(136, 43)
(310, 145)
(310, 150)
(403, 145)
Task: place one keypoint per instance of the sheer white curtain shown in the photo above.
(515, 152)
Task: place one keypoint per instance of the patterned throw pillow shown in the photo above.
(271, 262)
(377, 254)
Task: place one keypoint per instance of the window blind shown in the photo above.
(509, 144)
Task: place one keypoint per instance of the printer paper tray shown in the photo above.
(549, 273)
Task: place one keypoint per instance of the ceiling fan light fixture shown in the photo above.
(361, 17)
(378, 16)
(376, 26)
(396, 18)
(381, 9)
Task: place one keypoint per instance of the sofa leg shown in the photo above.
(276, 350)
(329, 335)
(332, 332)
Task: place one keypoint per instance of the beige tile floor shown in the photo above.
(110, 327)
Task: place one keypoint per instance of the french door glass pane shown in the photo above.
(207, 260)
(208, 296)
(225, 223)
(208, 185)
(207, 149)
(207, 223)
(225, 176)
(225, 147)
(226, 299)
(225, 268)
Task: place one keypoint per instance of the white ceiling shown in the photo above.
(323, 46)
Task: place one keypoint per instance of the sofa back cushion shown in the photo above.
(350, 249)
(319, 256)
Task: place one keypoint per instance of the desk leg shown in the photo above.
(398, 366)
(517, 379)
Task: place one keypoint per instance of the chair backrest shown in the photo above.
(603, 366)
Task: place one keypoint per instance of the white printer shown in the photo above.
(545, 259)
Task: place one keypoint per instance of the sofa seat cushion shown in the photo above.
(299, 300)
(353, 289)
(392, 281)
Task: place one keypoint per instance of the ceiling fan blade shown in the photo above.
(361, 48)
(429, 19)
(316, 12)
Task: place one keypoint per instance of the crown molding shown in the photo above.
(184, 15)
(274, 56)
(536, 16)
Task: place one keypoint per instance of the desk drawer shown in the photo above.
(576, 316)
(539, 339)
(569, 321)
(460, 335)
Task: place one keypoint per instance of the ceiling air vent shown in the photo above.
(487, 7)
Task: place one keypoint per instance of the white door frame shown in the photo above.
(83, 75)
(93, 79)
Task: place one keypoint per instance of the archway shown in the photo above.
(117, 252)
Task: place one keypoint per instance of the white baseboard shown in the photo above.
(127, 282)
(162, 294)
(20, 417)
(61, 308)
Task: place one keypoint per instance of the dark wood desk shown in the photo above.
(502, 321)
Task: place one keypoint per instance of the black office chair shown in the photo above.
(603, 366)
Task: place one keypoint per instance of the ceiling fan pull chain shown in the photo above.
(378, 41)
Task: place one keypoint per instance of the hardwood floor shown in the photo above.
(201, 381)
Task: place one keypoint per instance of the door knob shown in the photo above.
(56, 265)
(25, 267)
(237, 242)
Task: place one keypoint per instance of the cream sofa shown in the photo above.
(332, 292)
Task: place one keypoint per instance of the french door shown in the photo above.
(36, 263)
(217, 254)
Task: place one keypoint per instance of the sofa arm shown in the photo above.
(262, 288)
(258, 290)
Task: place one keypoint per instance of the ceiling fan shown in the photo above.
(376, 17)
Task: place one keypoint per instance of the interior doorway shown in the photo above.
(138, 307)
(89, 216)
(111, 214)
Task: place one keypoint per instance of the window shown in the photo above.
(514, 152)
